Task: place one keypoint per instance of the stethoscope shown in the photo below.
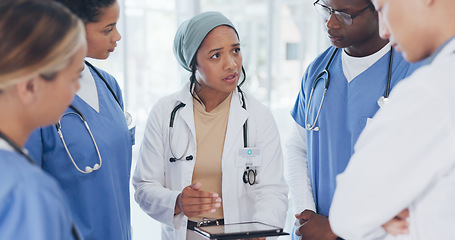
(78, 113)
(381, 101)
(249, 175)
(16, 148)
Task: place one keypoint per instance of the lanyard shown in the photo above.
(20, 151)
(16, 148)
(105, 82)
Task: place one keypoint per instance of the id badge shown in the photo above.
(249, 157)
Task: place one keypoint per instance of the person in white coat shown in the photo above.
(196, 159)
(401, 178)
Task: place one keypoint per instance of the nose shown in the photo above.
(332, 21)
(230, 63)
(116, 37)
(383, 30)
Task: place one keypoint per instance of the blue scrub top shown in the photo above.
(344, 114)
(99, 201)
(32, 205)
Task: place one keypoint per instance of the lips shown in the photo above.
(112, 49)
(231, 77)
(335, 38)
(395, 46)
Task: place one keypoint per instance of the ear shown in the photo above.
(28, 90)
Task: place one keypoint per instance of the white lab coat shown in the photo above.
(405, 158)
(298, 177)
(158, 181)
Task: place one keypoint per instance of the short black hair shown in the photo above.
(87, 10)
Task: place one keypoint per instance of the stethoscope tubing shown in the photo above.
(174, 158)
(16, 148)
(249, 175)
(313, 127)
(74, 232)
(60, 134)
(78, 113)
(171, 129)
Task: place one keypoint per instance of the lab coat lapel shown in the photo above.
(234, 131)
(186, 113)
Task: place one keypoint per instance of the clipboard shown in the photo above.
(239, 230)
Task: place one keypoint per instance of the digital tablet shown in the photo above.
(239, 230)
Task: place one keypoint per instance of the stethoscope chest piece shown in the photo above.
(249, 176)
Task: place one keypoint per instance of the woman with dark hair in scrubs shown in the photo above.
(92, 164)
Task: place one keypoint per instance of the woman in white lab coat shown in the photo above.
(200, 168)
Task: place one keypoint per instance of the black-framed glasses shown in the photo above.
(342, 17)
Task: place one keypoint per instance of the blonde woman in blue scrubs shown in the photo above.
(42, 48)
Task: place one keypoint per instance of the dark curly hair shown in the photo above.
(87, 10)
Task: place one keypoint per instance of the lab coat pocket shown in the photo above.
(248, 182)
(242, 189)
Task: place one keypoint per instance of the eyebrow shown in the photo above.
(110, 25)
(338, 10)
(218, 49)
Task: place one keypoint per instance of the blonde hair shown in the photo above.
(38, 38)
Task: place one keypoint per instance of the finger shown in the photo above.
(304, 216)
(403, 214)
(195, 186)
(188, 191)
(396, 227)
(299, 221)
(297, 231)
(196, 210)
(204, 194)
(202, 207)
(307, 214)
(198, 201)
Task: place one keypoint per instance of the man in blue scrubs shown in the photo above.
(322, 142)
